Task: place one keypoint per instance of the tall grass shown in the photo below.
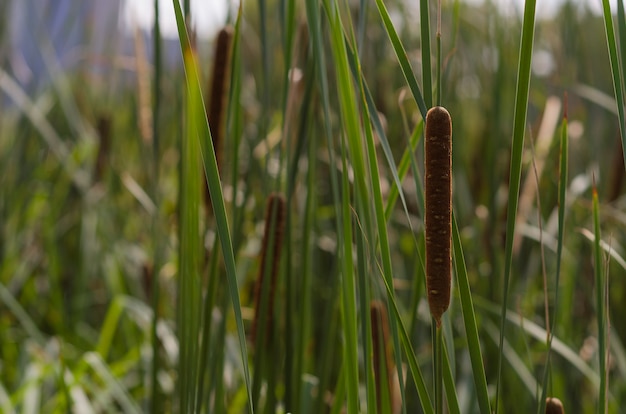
(121, 290)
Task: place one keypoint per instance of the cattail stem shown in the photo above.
(438, 201)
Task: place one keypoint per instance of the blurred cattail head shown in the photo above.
(270, 251)
(104, 134)
(219, 89)
(554, 406)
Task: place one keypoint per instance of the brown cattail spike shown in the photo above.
(217, 105)
(274, 226)
(104, 133)
(438, 220)
(554, 406)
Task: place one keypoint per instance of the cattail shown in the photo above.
(143, 89)
(554, 406)
(104, 133)
(147, 273)
(219, 89)
(216, 107)
(438, 220)
(382, 352)
(274, 226)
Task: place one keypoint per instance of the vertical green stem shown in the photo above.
(600, 304)
(438, 368)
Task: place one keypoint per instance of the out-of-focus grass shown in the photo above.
(334, 123)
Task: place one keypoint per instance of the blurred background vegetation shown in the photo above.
(89, 198)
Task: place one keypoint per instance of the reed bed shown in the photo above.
(337, 263)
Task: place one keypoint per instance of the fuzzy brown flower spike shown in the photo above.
(275, 215)
(438, 220)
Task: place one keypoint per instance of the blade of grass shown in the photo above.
(426, 65)
(563, 164)
(351, 134)
(469, 321)
(618, 79)
(365, 298)
(189, 296)
(348, 302)
(403, 168)
(519, 128)
(212, 175)
(403, 59)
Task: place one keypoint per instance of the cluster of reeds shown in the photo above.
(326, 311)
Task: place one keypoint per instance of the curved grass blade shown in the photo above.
(217, 197)
(519, 127)
(403, 59)
(618, 80)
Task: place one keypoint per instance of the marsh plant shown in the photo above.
(285, 222)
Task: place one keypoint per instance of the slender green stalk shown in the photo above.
(519, 127)
(156, 234)
(426, 64)
(600, 304)
(348, 303)
(563, 167)
(438, 351)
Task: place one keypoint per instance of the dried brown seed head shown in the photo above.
(438, 200)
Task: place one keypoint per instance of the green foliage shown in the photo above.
(123, 288)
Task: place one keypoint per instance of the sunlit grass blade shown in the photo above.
(213, 179)
(469, 321)
(519, 128)
(126, 402)
(403, 59)
(601, 316)
(189, 298)
(616, 72)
